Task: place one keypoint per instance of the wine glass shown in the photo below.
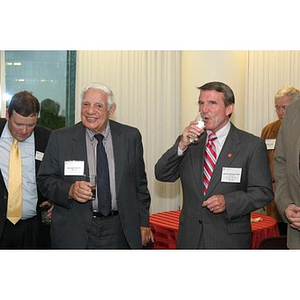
(200, 124)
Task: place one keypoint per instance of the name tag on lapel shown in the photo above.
(74, 168)
(270, 143)
(39, 155)
(232, 175)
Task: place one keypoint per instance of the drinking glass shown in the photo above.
(93, 180)
(45, 218)
(200, 124)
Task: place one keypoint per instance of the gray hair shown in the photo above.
(102, 87)
(288, 91)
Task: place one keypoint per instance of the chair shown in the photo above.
(278, 242)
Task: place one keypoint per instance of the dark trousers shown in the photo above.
(282, 228)
(23, 235)
(107, 233)
(44, 241)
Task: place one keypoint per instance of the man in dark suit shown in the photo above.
(283, 98)
(286, 172)
(20, 125)
(240, 182)
(78, 221)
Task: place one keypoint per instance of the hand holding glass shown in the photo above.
(92, 179)
(200, 124)
(46, 219)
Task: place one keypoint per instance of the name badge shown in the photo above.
(74, 168)
(39, 155)
(270, 143)
(231, 175)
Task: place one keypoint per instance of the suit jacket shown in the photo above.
(286, 168)
(232, 228)
(41, 136)
(71, 220)
(270, 131)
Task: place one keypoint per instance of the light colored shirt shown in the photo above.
(221, 137)
(91, 144)
(29, 188)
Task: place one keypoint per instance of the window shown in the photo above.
(49, 75)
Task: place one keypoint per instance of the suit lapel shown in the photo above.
(79, 146)
(198, 159)
(2, 124)
(196, 155)
(118, 140)
(40, 141)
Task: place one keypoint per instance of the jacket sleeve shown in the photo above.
(167, 167)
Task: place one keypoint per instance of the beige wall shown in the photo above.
(199, 67)
(147, 89)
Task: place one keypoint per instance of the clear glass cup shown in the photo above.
(93, 180)
(45, 218)
(201, 125)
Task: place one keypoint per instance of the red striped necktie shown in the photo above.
(210, 160)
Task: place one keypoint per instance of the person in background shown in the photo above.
(287, 173)
(283, 98)
(78, 222)
(49, 115)
(216, 212)
(22, 232)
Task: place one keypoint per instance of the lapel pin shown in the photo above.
(229, 155)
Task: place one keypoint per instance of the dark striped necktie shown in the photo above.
(103, 185)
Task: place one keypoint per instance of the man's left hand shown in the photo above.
(147, 235)
(216, 204)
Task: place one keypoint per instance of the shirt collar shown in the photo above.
(223, 132)
(7, 135)
(105, 133)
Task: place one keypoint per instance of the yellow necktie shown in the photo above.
(14, 206)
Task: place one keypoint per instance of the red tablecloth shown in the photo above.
(165, 226)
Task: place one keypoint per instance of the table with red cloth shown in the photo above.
(164, 226)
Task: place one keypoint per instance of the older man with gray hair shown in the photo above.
(283, 98)
(118, 216)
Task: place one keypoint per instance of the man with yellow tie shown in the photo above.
(22, 145)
